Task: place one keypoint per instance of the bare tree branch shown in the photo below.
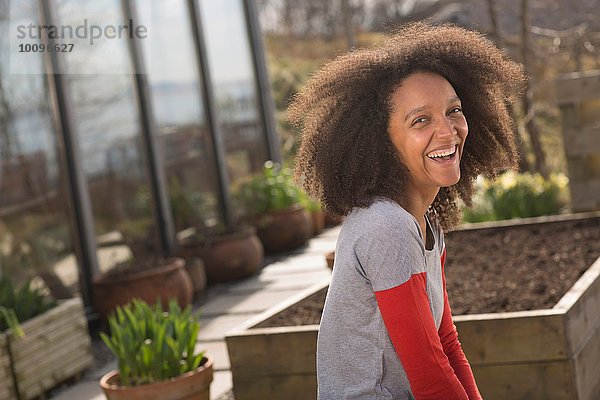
(527, 99)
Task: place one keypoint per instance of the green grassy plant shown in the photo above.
(19, 305)
(9, 317)
(515, 195)
(152, 344)
(269, 191)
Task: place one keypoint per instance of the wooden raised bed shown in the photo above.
(7, 388)
(539, 354)
(56, 347)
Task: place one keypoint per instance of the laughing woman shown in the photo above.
(393, 137)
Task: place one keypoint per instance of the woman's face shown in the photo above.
(428, 129)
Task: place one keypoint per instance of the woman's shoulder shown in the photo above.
(381, 217)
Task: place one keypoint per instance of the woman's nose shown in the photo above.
(446, 127)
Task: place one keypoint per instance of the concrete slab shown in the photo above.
(88, 390)
(215, 328)
(329, 233)
(221, 384)
(317, 263)
(250, 303)
(97, 373)
(316, 246)
(218, 351)
(275, 282)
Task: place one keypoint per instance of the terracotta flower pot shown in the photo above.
(284, 230)
(318, 220)
(165, 282)
(330, 258)
(195, 268)
(228, 257)
(192, 385)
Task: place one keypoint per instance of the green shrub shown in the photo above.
(309, 204)
(153, 345)
(269, 191)
(21, 304)
(514, 195)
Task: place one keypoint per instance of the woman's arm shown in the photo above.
(410, 325)
(452, 347)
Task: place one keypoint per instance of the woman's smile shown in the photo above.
(428, 129)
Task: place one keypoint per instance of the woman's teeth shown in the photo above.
(445, 153)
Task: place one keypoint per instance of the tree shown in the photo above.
(531, 127)
(496, 36)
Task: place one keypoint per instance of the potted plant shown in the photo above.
(273, 203)
(225, 252)
(145, 277)
(42, 342)
(156, 353)
(316, 212)
(146, 274)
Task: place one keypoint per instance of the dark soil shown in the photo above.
(502, 269)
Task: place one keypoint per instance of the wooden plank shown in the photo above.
(581, 197)
(56, 347)
(25, 370)
(529, 222)
(266, 351)
(5, 371)
(7, 393)
(55, 360)
(52, 337)
(580, 142)
(544, 381)
(581, 304)
(512, 337)
(79, 343)
(67, 308)
(7, 389)
(594, 393)
(37, 387)
(587, 364)
(577, 86)
(290, 387)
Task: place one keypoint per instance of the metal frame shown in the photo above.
(210, 110)
(82, 218)
(267, 105)
(163, 217)
(80, 209)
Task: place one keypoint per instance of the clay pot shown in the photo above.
(330, 258)
(195, 268)
(318, 220)
(284, 230)
(164, 282)
(228, 257)
(191, 385)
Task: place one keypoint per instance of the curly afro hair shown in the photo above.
(346, 158)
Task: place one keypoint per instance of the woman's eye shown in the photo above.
(419, 120)
(455, 110)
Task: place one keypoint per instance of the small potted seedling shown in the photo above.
(156, 353)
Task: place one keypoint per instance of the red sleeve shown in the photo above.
(408, 319)
(452, 347)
